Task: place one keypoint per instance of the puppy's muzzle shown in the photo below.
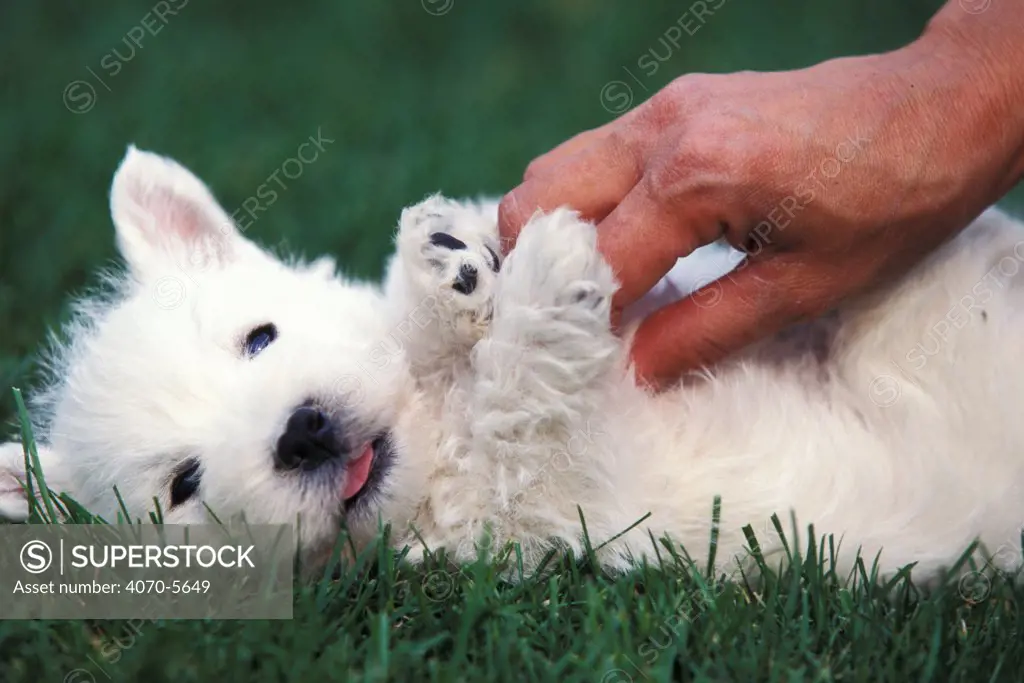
(310, 439)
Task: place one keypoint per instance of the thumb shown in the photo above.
(758, 299)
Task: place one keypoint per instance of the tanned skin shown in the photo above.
(833, 179)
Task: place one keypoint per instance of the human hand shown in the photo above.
(831, 179)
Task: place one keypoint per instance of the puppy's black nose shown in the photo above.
(309, 440)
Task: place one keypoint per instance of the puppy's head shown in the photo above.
(217, 377)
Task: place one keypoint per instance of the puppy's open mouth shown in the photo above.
(364, 473)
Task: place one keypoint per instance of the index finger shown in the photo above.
(592, 181)
(577, 143)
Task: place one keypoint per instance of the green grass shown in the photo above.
(381, 622)
(418, 103)
(379, 619)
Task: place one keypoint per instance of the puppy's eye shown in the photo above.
(259, 339)
(185, 482)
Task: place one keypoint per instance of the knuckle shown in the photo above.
(665, 182)
(713, 159)
(691, 92)
(620, 144)
(693, 165)
(664, 107)
(621, 151)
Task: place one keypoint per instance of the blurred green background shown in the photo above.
(419, 96)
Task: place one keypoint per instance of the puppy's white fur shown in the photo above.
(893, 424)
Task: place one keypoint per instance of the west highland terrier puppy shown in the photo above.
(471, 399)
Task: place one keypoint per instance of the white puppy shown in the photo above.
(473, 399)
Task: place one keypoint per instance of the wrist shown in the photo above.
(956, 99)
(979, 47)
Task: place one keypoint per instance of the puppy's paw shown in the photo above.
(556, 266)
(451, 253)
(551, 332)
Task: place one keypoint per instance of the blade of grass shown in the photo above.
(28, 443)
(716, 518)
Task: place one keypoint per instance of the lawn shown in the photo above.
(418, 96)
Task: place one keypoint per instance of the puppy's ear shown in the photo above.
(166, 218)
(13, 499)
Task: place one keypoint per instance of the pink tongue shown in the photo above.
(358, 473)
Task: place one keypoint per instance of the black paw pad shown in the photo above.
(443, 239)
(585, 294)
(465, 283)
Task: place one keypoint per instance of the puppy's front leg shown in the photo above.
(534, 390)
(441, 279)
(543, 372)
